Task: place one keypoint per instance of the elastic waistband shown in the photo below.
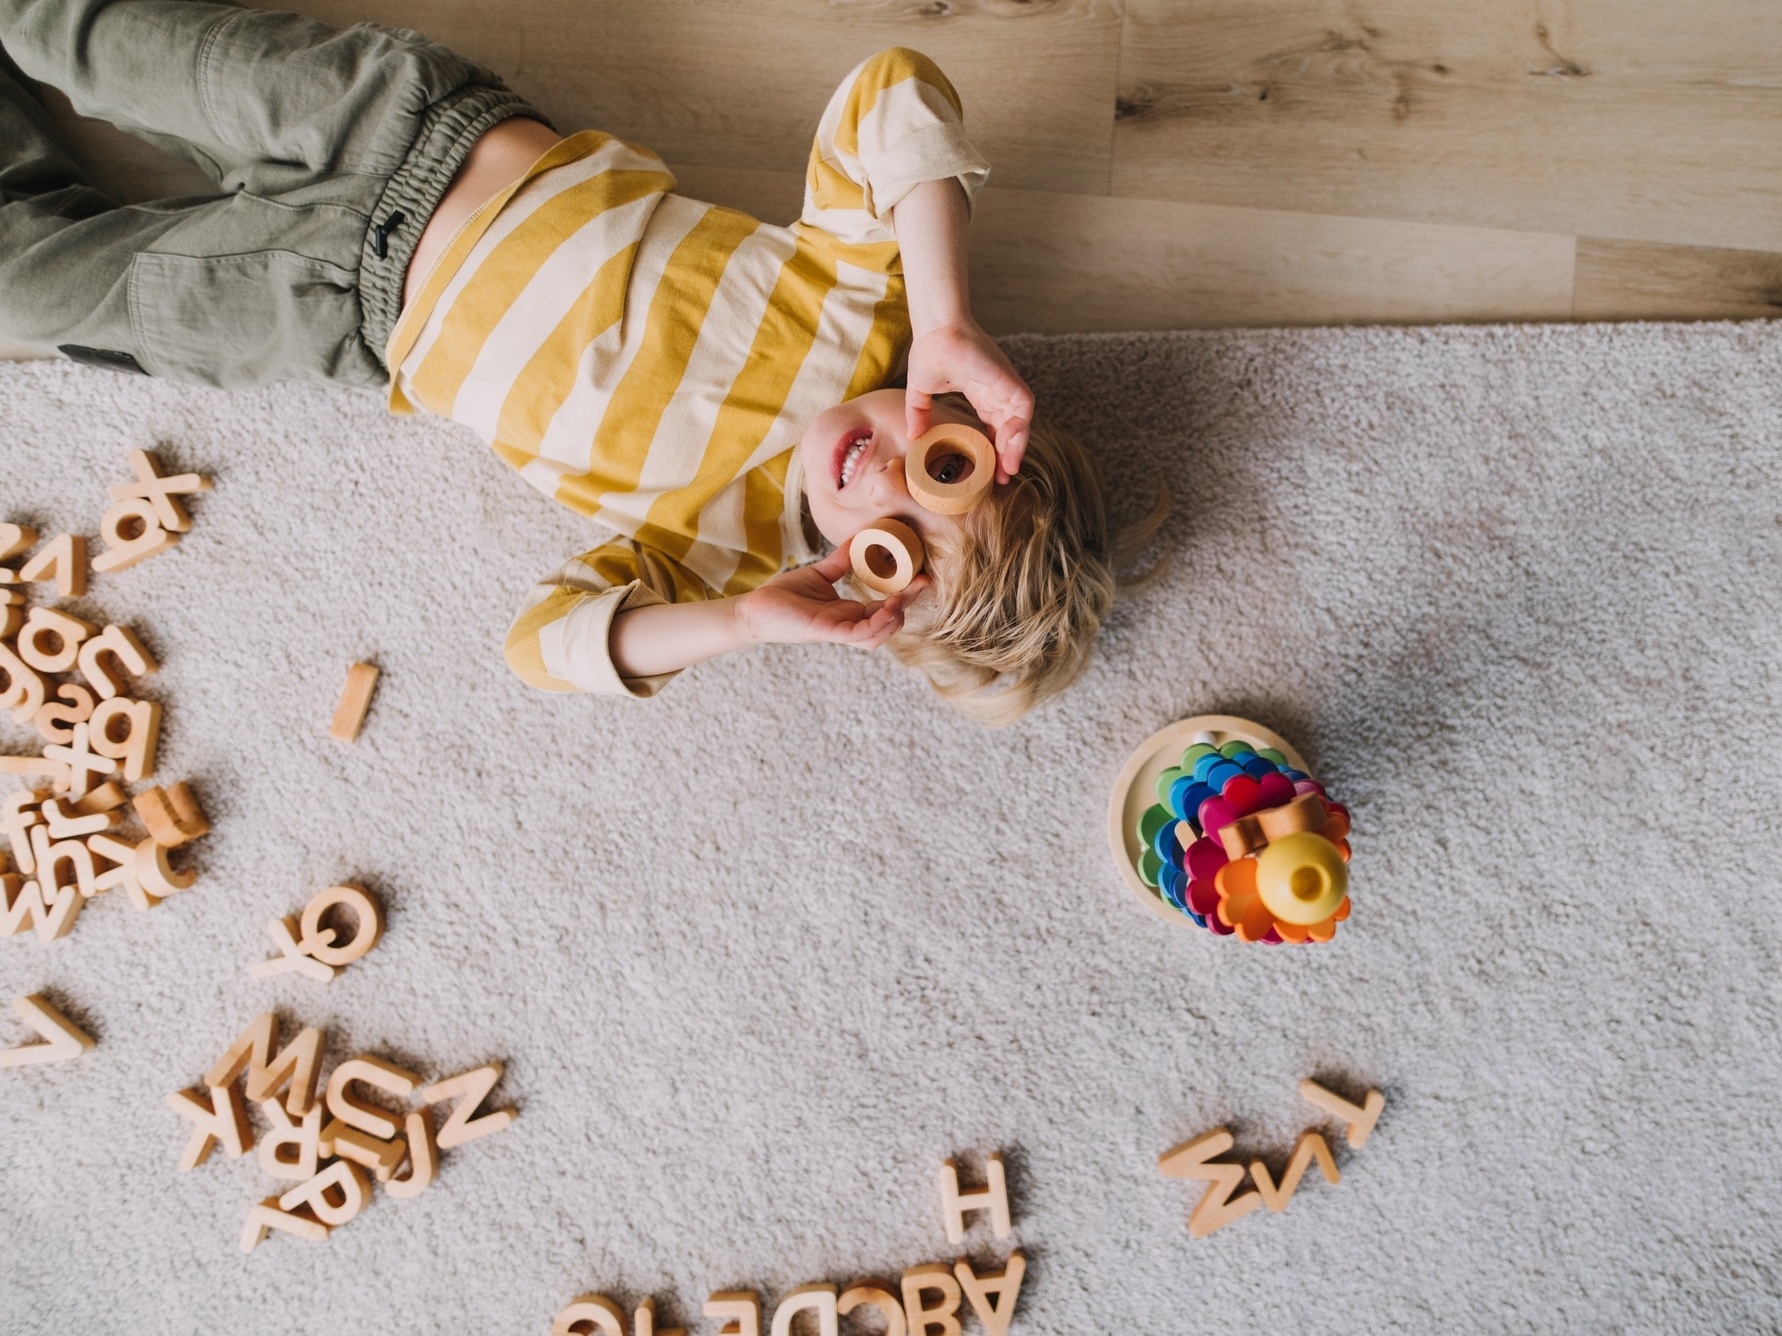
(443, 140)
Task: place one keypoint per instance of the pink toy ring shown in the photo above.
(886, 556)
(959, 496)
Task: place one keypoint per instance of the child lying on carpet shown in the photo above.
(712, 388)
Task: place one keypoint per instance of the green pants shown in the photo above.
(330, 150)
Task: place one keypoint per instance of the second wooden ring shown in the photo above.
(886, 556)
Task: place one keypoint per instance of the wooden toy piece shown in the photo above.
(818, 1299)
(1310, 1146)
(82, 762)
(50, 641)
(738, 1310)
(54, 721)
(171, 815)
(156, 873)
(12, 610)
(64, 824)
(368, 928)
(118, 643)
(14, 539)
(267, 1216)
(423, 1157)
(162, 493)
(871, 1294)
(24, 906)
(336, 1194)
(18, 813)
(57, 772)
(383, 1075)
(1217, 1206)
(132, 533)
(23, 693)
(355, 699)
(590, 1315)
(1250, 834)
(304, 1137)
(62, 1038)
(222, 1123)
(363, 1149)
(62, 559)
(108, 797)
(993, 1198)
(950, 448)
(297, 1065)
(470, 1089)
(887, 555)
(135, 745)
(943, 1318)
(51, 856)
(643, 1322)
(1358, 1119)
(993, 1296)
(123, 873)
(292, 958)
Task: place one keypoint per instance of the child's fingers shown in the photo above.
(918, 409)
(837, 564)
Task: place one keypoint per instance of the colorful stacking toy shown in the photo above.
(1247, 846)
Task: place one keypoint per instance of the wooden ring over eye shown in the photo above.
(886, 556)
(950, 498)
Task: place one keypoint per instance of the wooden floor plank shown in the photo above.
(1636, 119)
(1634, 280)
(744, 84)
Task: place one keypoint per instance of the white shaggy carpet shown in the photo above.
(762, 952)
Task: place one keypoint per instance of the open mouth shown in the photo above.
(850, 453)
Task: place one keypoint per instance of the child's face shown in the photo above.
(865, 438)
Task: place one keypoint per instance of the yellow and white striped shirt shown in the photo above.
(652, 361)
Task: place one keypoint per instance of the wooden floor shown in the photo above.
(1163, 164)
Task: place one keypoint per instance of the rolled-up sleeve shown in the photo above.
(560, 641)
(895, 122)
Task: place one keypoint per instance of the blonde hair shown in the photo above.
(1022, 591)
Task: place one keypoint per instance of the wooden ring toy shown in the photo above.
(959, 496)
(887, 556)
(366, 931)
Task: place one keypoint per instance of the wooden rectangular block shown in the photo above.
(355, 699)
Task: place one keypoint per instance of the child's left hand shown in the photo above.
(961, 357)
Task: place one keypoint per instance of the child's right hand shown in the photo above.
(802, 606)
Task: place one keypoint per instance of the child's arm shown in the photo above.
(795, 607)
(622, 620)
(948, 351)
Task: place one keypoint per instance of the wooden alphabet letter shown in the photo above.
(590, 1315)
(355, 700)
(643, 1322)
(162, 493)
(63, 824)
(52, 720)
(1309, 1145)
(292, 958)
(336, 1194)
(14, 539)
(120, 644)
(469, 1089)
(871, 1294)
(1358, 1119)
(18, 813)
(62, 1038)
(368, 1117)
(125, 730)
(62, 559)
(267, 1216)
(171, 816)
(938, 1278)
(993, 1198)
(1194, 1159)
(368, 927)
(423, 1157)
(297, 1065)
(23, 692)
(132, 533)
(363, 1149)
(50, 641)
(156, 873)
(80, 759)
(222, 1122)
(303, 1137)
(993, 1296)
(738, 1310)
(818, 1299)
(123, 873)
